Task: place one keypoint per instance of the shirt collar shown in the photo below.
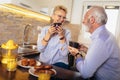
(95, 34)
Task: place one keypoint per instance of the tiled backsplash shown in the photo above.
(12, 26)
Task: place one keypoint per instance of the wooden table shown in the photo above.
(23, 74)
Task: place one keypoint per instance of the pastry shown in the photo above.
(32, 62)
(25, 62)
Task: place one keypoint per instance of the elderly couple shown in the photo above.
(102, 59)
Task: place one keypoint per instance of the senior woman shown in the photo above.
(54, 39)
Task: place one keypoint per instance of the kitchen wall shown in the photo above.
(12, 26)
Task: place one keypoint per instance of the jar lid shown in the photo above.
(9, 45)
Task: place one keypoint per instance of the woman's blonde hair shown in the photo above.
(60, 7)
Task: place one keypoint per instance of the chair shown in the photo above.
(70, 60)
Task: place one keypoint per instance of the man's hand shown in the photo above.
(73, 50)
(83, 48)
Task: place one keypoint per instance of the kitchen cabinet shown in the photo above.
(44, 6)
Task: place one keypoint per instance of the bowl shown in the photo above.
(27, 48)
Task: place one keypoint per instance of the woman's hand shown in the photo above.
(60, 31)
(51, 30)
(47, 37)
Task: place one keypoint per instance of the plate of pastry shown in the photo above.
(42, 69)
(27, 63)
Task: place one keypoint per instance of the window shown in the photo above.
(112, 13)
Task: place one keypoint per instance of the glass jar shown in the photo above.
(12, 65)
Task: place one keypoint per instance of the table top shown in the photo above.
(23, 74)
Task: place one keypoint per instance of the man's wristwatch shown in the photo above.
(78, 54)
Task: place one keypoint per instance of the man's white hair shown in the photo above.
(99, 14)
